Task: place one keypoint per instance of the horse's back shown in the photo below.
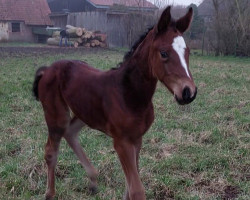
(65, 74)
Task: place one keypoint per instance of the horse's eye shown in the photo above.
(164, 54)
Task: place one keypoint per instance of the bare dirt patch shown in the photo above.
(231, 192)
(163, 192)
(40, 51)
(166, 150)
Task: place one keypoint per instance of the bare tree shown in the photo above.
(229, 30)
(217, 25)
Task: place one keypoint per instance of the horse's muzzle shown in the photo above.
(187, 97)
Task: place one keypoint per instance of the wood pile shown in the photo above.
(79, 37)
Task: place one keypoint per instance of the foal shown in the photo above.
(117, 102)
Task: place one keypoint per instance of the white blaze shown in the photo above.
(179, 46)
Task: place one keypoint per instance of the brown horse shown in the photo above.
(117, 102)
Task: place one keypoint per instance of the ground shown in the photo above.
(199, 151)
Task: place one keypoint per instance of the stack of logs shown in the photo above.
(79, 37)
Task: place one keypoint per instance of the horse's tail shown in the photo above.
(38, 76)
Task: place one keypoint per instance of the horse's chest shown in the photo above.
(131, 124)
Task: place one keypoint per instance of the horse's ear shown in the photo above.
(164, 20)
(183, 23)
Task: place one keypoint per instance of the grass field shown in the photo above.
(199, 151)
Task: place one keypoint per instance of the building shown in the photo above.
(62, 10)
(58, 6)
(122, 20)
(19, 19)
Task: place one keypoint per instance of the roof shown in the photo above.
(32, 12)
(128, 3)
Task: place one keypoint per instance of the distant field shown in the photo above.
(199, 151)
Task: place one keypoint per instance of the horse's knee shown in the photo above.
(53, 143)
(49, 158)
(51, 152)
(93, 174)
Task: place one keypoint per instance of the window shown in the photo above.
(15, 27)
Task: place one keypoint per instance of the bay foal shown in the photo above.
(117, 102)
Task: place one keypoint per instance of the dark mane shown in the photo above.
(129, 54)
(135, 45)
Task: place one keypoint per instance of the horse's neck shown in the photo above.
(137, 82)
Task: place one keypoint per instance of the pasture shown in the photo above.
(199, 151)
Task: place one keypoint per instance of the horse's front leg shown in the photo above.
(138, 145)
(128, 152)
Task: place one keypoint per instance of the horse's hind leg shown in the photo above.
(51, 152)
(71, 136)
(58, 119)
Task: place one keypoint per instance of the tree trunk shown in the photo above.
(53, 41)
(56, 42)
(217, 27)
(74, 31)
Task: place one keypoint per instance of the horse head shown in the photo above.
(169, 56)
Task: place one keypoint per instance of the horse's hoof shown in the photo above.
(93, 190)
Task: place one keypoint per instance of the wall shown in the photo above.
(59, 20)
(117, 31)
(4, 35)
(25, 34)
(90, 20)
(122, 28)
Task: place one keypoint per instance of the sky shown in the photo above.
(181, 2)
(186, 2)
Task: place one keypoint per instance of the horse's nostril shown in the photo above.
(186, 94)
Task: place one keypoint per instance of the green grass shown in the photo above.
(199, 151)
